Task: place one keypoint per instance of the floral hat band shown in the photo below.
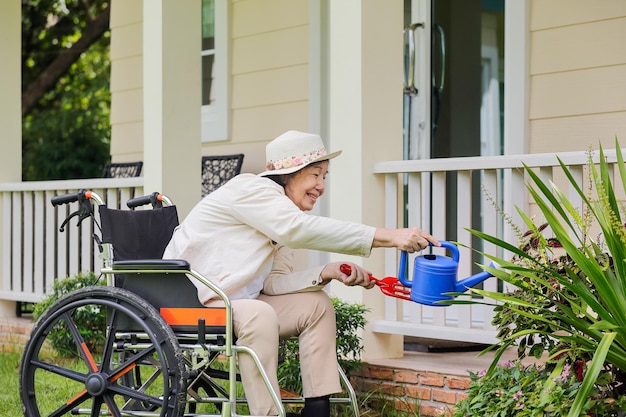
(293, 151)
(296, 161)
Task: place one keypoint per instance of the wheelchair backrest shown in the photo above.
(138, 234)
(143, 235)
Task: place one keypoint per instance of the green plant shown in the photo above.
(350, 318)
(525, 390)
(572, 308)
(92, 322)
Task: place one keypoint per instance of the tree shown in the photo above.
(65, 88)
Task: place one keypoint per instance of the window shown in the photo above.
(215, 103)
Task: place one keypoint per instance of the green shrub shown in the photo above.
(350, 318)
(514, 389)
(92, 323)
(569, 307)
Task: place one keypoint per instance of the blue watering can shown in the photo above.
(433, 276)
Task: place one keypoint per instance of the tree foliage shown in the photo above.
(65, 88)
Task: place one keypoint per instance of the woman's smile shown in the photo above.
(307, 185)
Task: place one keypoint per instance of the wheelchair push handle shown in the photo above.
(80, 196)
(85, 209)
(155, 199)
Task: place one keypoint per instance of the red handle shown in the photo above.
(347, 269)
(389, 286)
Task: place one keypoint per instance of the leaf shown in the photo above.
(550, 381)
(602, 326)
(620, 164)
(592, 374)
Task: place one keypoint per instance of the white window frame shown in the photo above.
(216, 117)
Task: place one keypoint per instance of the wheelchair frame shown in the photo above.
(137, 337)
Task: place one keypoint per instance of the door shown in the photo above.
(453, 92)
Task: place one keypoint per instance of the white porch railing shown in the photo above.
(470, 183)
(34, 252)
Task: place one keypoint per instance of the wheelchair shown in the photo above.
(141, 344)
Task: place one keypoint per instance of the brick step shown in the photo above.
(14, 333)
(423, 383)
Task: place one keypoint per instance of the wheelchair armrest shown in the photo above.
(161, 264)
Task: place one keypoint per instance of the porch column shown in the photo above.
(366, 59)
(171, 99)
(10, 110)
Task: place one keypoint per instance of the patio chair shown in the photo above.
(122, 169)
(218, 169)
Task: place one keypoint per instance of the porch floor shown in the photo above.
(449, 362)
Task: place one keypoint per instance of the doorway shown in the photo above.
(454, 85)
(453, 102)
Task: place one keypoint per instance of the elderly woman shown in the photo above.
(242, 236)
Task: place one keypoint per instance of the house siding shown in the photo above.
(270, 59)
(126, 81)
(577, 68)
(269, 78)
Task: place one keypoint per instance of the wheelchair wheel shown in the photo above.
(79, 363)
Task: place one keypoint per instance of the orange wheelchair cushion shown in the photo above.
(190, 316)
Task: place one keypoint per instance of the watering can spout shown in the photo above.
(469, 282)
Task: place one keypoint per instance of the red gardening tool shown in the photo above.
(389, 285)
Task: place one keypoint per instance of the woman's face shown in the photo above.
(307, 185)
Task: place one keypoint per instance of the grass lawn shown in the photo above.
(11, 404)
(10, 375)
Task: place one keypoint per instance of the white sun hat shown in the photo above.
(294, 150)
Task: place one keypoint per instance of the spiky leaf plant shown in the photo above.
(579, 304)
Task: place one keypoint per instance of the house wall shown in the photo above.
(577, 71)
(269, 70)
(270, 60)
(10, 91)
(126, 81)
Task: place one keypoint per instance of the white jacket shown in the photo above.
(239, 237)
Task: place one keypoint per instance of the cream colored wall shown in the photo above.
(577, 69)
(269, 71)
(126, 80)
(270, 48)
(10, 91)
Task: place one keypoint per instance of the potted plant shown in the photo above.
(568, 307)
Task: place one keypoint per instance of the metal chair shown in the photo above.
(218, 169)
(122, 169)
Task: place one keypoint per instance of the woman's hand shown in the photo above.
(412, 239)
(358, 277)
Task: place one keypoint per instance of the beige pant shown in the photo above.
(259, 323)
